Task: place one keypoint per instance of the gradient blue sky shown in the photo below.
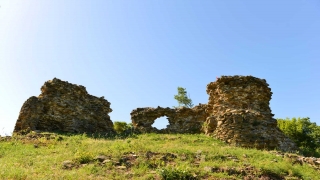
(136, 53)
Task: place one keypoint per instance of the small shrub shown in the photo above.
(176, 174)
(121, 127)
(83, 157)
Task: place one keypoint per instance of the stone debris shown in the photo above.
(239, 114)
(121, 167)
(298, 159)
(102, 158)
(248, 172)
(181, 120)
(67, 164)
(64, 107)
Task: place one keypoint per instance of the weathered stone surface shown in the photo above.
(181, 120)
(239, 114)
(65, 107)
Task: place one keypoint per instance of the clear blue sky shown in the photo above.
(136, 53)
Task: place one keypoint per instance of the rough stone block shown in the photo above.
(240, 107)
(65, 107)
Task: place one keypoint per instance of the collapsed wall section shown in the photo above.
(181, 120)
(239, 113)
(65, 107)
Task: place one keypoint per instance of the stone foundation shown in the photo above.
(239, 113)
(181, 120)
(65, 107)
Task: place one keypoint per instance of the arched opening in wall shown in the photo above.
(161, 123)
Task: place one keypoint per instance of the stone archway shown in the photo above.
(181, 120)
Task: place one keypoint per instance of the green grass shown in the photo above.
(144, 156)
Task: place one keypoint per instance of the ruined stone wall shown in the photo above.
(239, 113)
(181, 120)
(66, 107)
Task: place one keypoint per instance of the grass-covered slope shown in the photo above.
(145, 156)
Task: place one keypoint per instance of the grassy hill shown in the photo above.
(144, 156)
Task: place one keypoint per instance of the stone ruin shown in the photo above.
(181, 120)
(65, 107)
(239, 114)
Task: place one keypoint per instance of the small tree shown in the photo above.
(182, 98)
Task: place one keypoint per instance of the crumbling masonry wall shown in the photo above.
(181, 120)
(65, 107)
(239, 113)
